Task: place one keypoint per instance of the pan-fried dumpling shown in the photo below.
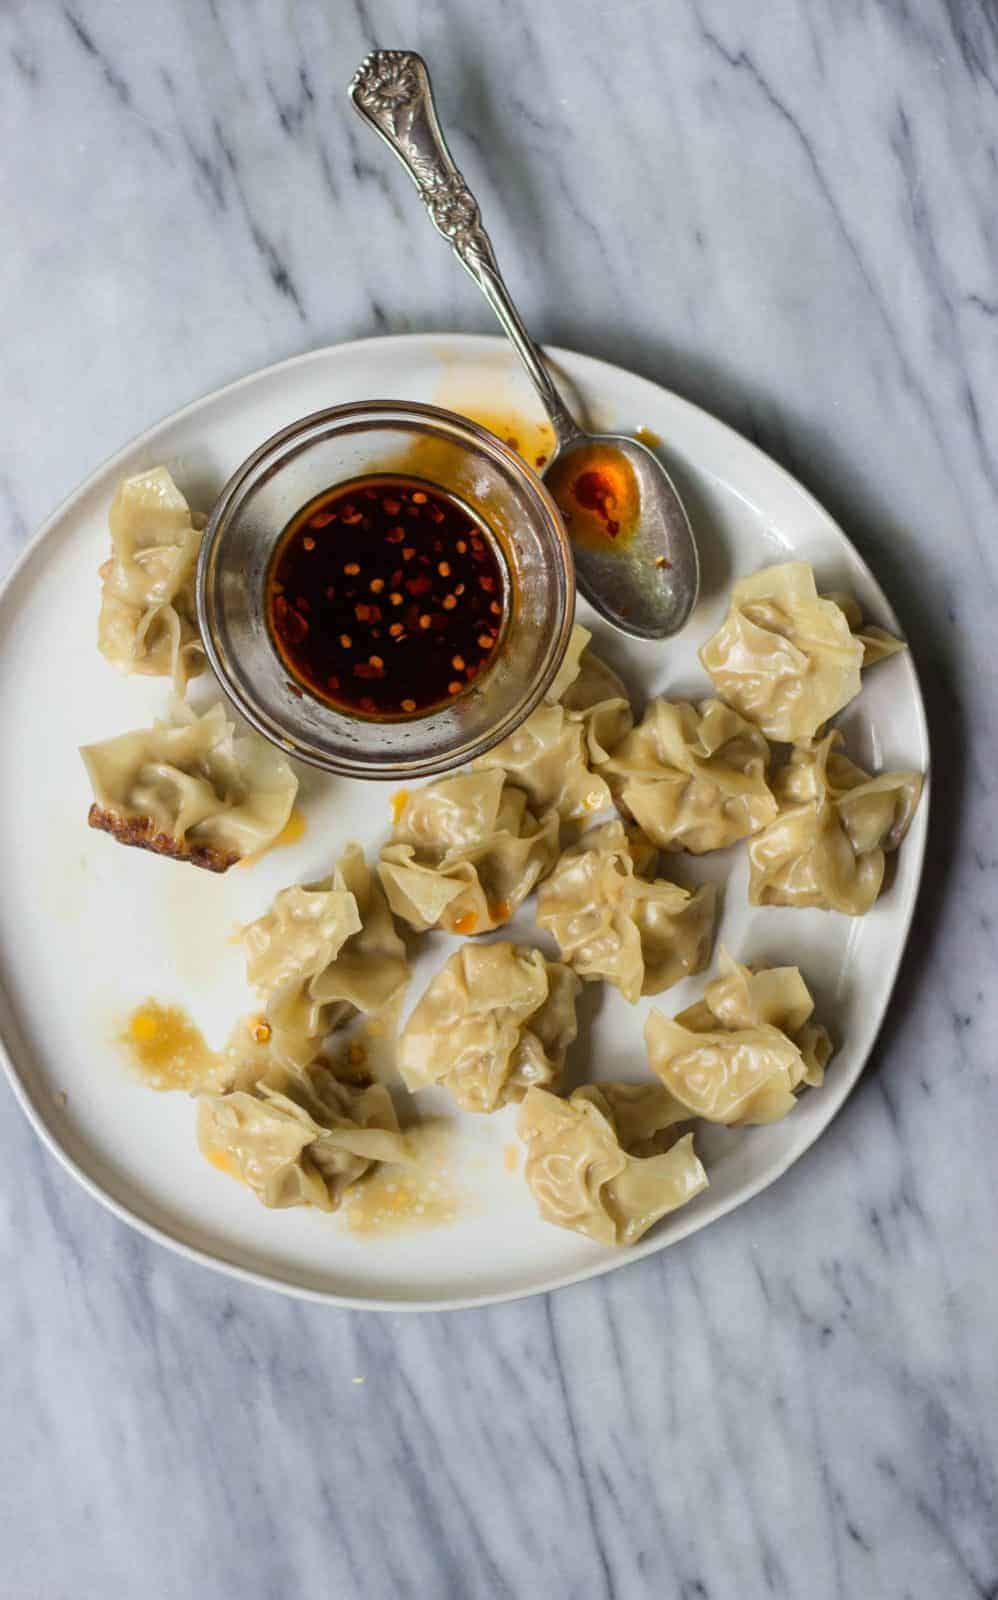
(786, 658)
(191, 788)
(612, 920)
(300, 1138)
(609, 1160)
(741, 1053)
(322, 953)
(693, 777)
(496, 1019)
(552, 754)
(148, 619)
(465, 852)
(826, 848)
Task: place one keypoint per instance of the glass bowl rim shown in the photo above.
(383, 411)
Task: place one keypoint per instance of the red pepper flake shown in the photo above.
(351, 569)
(322, 519)
(496, 608)
(455, 687)
(462, 547)
(449, 602)
(485, 641)
(294, 626)
(395, 535)
(408, 553)
(376, 585)
(541, 461)
(418, 497)
(307, 543)
(346, 641)
(367, 704)
(393, 507)
(459, 588)
(419, 585)
(408, 705)
(425, 621)
(366, 669)
(443, 567)
(395, 598)
(488, 584)
(333, 682)
(395, 629)
(458, 663)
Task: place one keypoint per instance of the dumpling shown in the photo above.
(191, 788)
(300, 1138)
(827, 846)
(609, 1160)
(465, 852)
(741, 1053)
(693, 777)
(786, 658)
(613, 921)
(148, 618)
(322, 953)
(496, 1019)
(552, 754)
(877, 643)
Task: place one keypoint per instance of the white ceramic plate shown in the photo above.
(88, 929)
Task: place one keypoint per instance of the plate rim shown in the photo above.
(652, 1244)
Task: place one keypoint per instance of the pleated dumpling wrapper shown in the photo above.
(191, 787)
(614, 920)
(553, 754)
(148, 618)
(693, 777)
(300, 1137)
(827, 846)
(323, 953)
(785, 658)
(496, 1019)
(465, 852)
(610, 1160)
(741, 1054)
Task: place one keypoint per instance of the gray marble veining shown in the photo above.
(792, 222)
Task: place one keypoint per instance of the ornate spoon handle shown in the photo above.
(391, 90)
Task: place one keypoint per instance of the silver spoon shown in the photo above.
(644, 581)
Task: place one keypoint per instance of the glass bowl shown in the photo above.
(314, 454)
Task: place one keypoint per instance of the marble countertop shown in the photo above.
(787, 214)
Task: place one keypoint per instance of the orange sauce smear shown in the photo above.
(597, 494)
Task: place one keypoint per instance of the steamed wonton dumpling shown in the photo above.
(300, 1138)
(826, 848)
(148, 619)
(496, 1019)
(742, 1052)
(613, 921)
(551, 756)
(693, 777)
(322, 953)
(191, 788)
(465, 852)
(608, 1161)
(786, 658)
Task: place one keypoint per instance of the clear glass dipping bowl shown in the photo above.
(314, 454)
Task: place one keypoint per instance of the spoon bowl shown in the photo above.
(643, 578)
